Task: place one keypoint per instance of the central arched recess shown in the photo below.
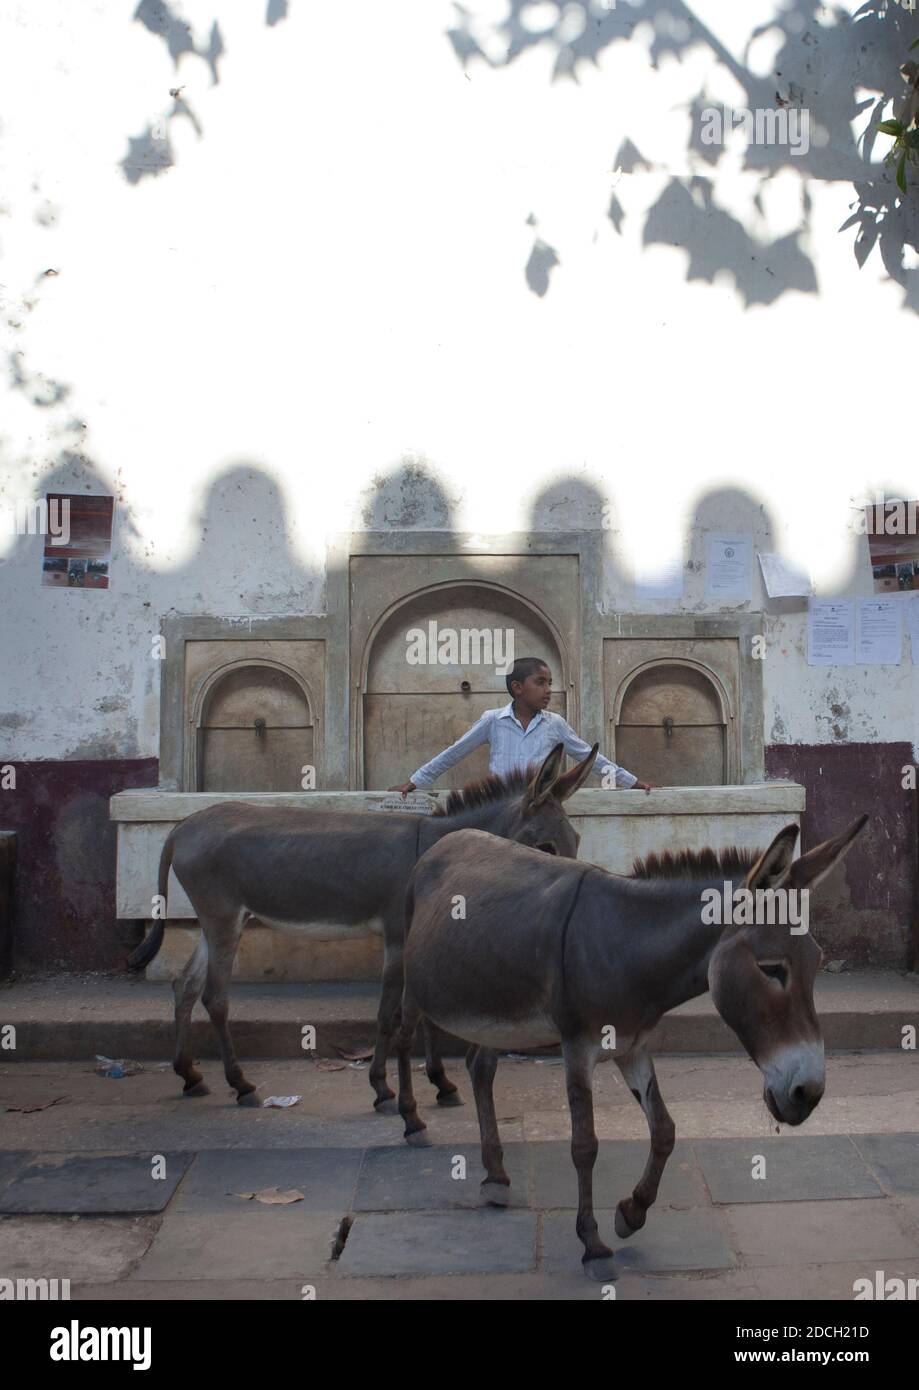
(411, 710)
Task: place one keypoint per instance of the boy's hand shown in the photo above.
(404, 789)
(642, 787)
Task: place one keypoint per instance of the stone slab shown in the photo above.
(326, 1178)
(803, 1169)
(792, 1233)
(12, 1163)
(404, 1179)
(98, 1252)
(258, 1243)
(836, 1282)
(450, 1242)
(894, 1158)
(618, 1168)
(670, 1240)
(93, 1184)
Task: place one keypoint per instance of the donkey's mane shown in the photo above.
(485, 789)
(703, 863)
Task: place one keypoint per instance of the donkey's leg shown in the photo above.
(482, 1063)
(387, 1020)
(415, 1127)
(638, 1070)
(447, 1094)
(187, 991)
(223, 935)
(579, 1064)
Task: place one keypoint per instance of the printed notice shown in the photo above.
(729, 568)
(783, 579)
(879, 632)
(831, 632)
(911, 614)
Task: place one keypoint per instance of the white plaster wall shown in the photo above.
(318, 318)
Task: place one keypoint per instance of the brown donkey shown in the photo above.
(510, 949)
(295, 867)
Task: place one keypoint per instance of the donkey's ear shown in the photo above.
(568, 783)
(774, 865)
(808, 871)
(540, 788)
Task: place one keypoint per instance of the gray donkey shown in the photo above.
(295, 867)
(510, 949)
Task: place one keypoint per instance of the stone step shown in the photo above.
(68, 1018)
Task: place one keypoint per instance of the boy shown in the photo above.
(521, 733)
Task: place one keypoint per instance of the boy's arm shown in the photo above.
(579, 749)
(480, 733)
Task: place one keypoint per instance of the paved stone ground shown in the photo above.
(129, 1190)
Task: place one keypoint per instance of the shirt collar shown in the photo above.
(508, 713)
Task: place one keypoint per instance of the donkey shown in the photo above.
(296, 867)
(551, 951)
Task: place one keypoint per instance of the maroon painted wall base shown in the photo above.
(65, 878)
(867, 911)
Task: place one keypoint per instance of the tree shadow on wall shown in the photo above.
(820, 67)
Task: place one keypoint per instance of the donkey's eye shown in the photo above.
(547, 848)
(774, 970)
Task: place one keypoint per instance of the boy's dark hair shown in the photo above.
(524, 666)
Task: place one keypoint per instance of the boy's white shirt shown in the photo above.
(511, 746)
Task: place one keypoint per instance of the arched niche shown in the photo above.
(412, 709)
(252, 729)
(674, 725)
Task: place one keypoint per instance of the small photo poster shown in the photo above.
(77, 552)
(893, 544)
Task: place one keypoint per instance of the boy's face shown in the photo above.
(536, 691)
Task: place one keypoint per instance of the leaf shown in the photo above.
(329, 1064)
(271, 1197)
(890, 127)
(360, 1054)
(914, 44)
(901, 173)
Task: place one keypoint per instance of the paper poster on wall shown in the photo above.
(831, 632)
(893, 544)
(729, 567)
(78, 556)
(880, 630)
(911, 619)
(782, 578)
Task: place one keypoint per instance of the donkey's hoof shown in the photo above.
(418, 1139)
(249, 1099)
(602, 1268)
(449, 1097)
(198, 1088)
(386, 1106)
(496, 1194)
(624, 1227)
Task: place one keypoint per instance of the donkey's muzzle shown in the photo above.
(794, 1085)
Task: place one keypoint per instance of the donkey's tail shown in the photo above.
(409, 907)
(152, 942)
